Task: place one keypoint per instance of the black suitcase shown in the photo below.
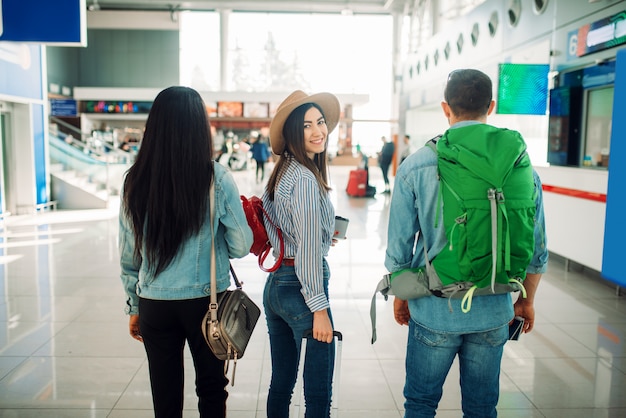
(298, 403)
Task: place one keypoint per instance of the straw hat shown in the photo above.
(330, 108)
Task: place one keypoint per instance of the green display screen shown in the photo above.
(522, 89)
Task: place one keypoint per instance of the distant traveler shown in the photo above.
(260, 154)
(385, 157)
(407, 148)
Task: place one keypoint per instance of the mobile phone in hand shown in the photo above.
(341, 226)
(515, 328)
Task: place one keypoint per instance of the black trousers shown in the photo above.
(385, 169)
(260, 167)
(165, 326)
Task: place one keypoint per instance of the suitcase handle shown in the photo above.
(299, 400)
(309, 334)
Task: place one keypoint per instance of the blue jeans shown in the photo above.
(288, 317)
(428, 360)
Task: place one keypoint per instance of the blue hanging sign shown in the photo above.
(58, 22)
(63, 107)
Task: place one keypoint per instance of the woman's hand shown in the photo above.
(322, 328)
(133, 325)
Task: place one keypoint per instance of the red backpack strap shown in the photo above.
(253, 207)
(263, 255)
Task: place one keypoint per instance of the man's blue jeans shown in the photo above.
(428, 360)
(288, 317)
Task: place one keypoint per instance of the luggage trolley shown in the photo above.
(298, 404)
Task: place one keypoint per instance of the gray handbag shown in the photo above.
(231, 317)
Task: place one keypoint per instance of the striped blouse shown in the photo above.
(306, 216)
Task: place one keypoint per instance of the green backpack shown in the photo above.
(488, 195)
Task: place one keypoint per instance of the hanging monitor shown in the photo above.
(522, 89)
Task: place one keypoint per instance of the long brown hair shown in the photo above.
(293, 132)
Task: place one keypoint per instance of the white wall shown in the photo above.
(575, 224)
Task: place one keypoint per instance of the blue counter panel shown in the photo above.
(613, 264)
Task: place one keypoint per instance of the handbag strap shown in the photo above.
(213, 297)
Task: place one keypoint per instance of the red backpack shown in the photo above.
(261, 245)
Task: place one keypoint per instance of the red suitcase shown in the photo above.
(357, 183)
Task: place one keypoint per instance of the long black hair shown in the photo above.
(293, 132)
(166, 189)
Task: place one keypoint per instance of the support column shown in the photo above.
(23, 155)
(348, 118)
(224, 21)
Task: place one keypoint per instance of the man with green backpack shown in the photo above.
(466, 217)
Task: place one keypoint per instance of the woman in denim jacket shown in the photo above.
(165, 247)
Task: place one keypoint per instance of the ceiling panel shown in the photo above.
(305, 6)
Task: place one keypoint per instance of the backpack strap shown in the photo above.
(384, 287)
(261, 246)
(432, 144)
(265, 253)
(494, 196)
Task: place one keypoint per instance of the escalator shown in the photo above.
(85, 173)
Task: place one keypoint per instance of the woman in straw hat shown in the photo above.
(296, 295)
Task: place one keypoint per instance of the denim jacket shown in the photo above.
(189, 274)
(413, 210)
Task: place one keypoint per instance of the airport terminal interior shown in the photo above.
(72, 119)
(67, 352)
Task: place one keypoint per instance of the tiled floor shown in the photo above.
(65, 349)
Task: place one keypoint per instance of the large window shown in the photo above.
(278, 52)
(599, 110)
(581, 112)
(200, 51)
